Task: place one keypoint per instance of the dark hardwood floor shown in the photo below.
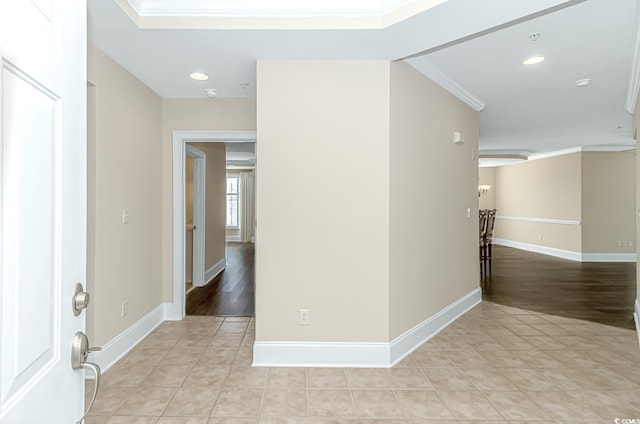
(593, 291)
(232, 292)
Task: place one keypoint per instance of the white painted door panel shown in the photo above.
(42, 207)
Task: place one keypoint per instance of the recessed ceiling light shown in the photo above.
(534, 60)
(534, 36)
(199, 76)
(585, 82)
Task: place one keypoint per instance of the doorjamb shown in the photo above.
(180, 139)
(199, 212)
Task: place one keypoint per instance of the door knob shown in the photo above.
(79, 352)
(80, 299)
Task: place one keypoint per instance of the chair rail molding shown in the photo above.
(541, 220)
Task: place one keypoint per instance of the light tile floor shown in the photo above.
(495, 364)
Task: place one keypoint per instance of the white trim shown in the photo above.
(406, 343)
(199, 213)
(634, 72)
(567, 254)
(120, 345)
(277, 16)
(609, 257)
(232, 238)
(216, 269)
(636, 318)
(356, 355)
(180, 138)
(541, 220)
(559, 253)
(320, 354)
(580, 149)
(431, 71)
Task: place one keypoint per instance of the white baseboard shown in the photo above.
(609, 257)
(216, 269)
(354, 355)
(559, 253)
(636, 317)
(406, 343)
(129, 338)
(568, 254)
(232, 238)
(320, 354)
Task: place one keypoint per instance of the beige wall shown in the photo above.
(215, 201)
(608, 202)
(596, 189)
(487, 176)
(546, 188)
(433, 245)
(193, 114)
(126, 163)
(323, 200)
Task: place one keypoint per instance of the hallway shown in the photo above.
(232, 292)
(594, 291)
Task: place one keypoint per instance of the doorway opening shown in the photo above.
(233, 258)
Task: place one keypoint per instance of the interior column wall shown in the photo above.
(433, 250)
(322, 200)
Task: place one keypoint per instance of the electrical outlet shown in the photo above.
(539, 236)
(125, 308)
(304, 317)
(125, 216)
(619, 243)
(468, 213)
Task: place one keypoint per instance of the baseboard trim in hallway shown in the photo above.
(216, 269)
(567, 254)
(359, 355)
(129, 338)
(406, 343)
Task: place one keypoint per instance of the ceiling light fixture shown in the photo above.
(199, 76)
(534, 36)
(585, 82)
(534, 60)
(211, 93)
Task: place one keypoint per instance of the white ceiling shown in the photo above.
(539, 107)
(534, 109)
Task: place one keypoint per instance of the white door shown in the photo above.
(42, 207)
(199, 214)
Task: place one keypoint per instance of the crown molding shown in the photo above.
(508, 154)
(281, 14)
(582, 149)
(634, 73)
(430, 70)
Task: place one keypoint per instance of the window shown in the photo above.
(233, 182)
